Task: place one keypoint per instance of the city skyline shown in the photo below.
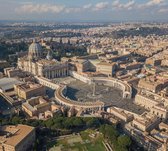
(84, 75)
(79, 10)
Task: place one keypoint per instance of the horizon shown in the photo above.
(86, 21)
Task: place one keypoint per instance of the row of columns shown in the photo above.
(56, 73)
(94, 108)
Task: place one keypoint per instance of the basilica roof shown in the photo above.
(48, 62)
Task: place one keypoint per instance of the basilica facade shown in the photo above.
(38, 65)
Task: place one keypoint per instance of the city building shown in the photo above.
(4, 64)
(155, 103)
(17, 138)
(7, 84)
(40, 107)
(106, 68)
(1, 75)
(146, 122)
(12, 72)
(120, 114)
(29, 89)
(153, 84)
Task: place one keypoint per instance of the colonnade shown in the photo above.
(50, 74)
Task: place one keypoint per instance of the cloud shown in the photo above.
(129, 5)
(118, 5)
(87, 6)
(31, 8)
(100, 6)
(154, 2)
(40, 8)
(151, 3)
(78, 9)
(73, 10)
(163, 10)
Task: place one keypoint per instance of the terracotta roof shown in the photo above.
(19, 133)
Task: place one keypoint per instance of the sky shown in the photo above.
(84, 10)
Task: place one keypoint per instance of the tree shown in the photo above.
(49, 123)
(93, 122)
(124, 141)
(36, 144)
(117, 147)
(111, 132)
(102, 129)
(78, 122)
(35, 123)
(16, 120)
(58, 122)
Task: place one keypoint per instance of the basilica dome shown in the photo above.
(35, 51)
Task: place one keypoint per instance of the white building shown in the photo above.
(47, 67)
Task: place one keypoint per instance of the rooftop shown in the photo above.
(8, 83)
(17, 134)
(29, 86)
(48, 62)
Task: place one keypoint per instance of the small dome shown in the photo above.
(35, 51)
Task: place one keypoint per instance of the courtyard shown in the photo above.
(83, 92)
